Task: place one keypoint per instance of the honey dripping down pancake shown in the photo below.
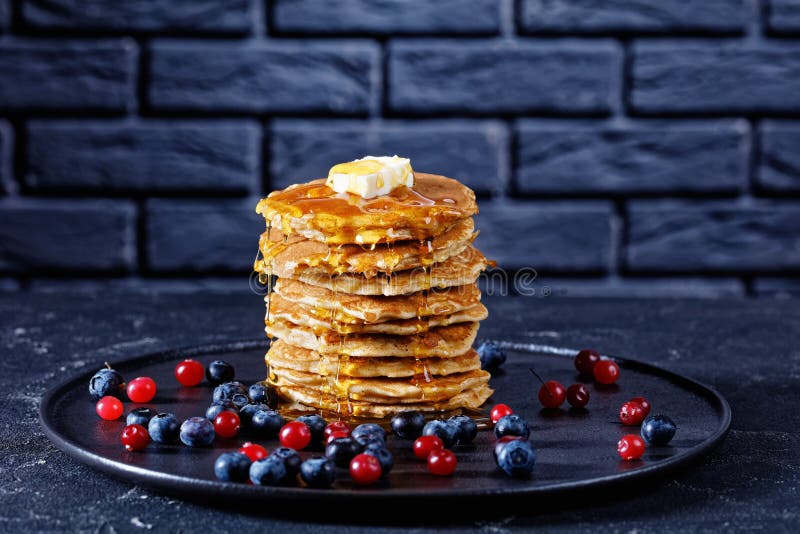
(283, 355)
(354, 309)
(314, 211)
(375, 308)
(458, 270)
(292, 254)
(321, 319)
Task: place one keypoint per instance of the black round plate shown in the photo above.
(576, 448)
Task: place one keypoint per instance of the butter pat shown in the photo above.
(371, 176)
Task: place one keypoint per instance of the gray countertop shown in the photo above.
(749, 350)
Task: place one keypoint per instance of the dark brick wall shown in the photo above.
(633, 147)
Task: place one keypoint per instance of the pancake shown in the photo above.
(315, 211)
(354, 309)
(284, 356)
(443, 341)
(385, 390)
(286, 255)
(458, 270)
(470, 399)
(320, 320)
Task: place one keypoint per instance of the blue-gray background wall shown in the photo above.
(619, 146)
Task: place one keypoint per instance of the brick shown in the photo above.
(52, 236)
(716, 77)
(151, 155)
(388, 17)
(8, 285)
(777, 287)
(202, 236)
(548, 237)
(196, 16)
(67, 75)
(5, 15)
(602, 17)
(631, 157)
(6, 157)
(779, 165)
(564, 77)
(468, 150)
(239, 284)
(714, 236)
(262, 76)
(783, 17)
(655, 287)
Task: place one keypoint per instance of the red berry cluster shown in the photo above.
(441, 461)
(552, 394)
(632, 413)
(589, 363)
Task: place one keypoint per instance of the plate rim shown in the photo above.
(197, 486)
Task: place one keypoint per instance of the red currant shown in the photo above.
(336, 434)
(630, 447)
(134, 437)
(189, 372)
(254, 451)
(606, 372)
(552, 394)
(586, 360)
(365, 469)
(227, 424)
(578, 395)
(141, 389)
(442, 462)
(424, 445)
(631, 413)
(109, 408)
(499, 411)
(644, 403)
(295, 435)
(334, 427)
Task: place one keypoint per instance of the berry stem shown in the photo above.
(534, 373)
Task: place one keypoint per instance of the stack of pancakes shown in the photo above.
(376, 306)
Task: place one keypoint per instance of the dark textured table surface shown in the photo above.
(749, 350)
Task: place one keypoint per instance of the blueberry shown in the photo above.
(219, 371)
(446, 430)
(316, 424)
(266, 423)
(218, 407)
(140, 416)
(270, 471)
(227, 390)
(512, 425)
(658, 429)
(197, 432)
(517, 458)
(247, 412)
(491, 355)
(106, 382)
(257, 393)
(318, 472)
(163, 428)
(500, 443)
(240, 400)
(366, 438)
(368, 428)
(342, 450)
(290, 458)
(467, 429)
(232, 467)
(383, 455)
(408, 425)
